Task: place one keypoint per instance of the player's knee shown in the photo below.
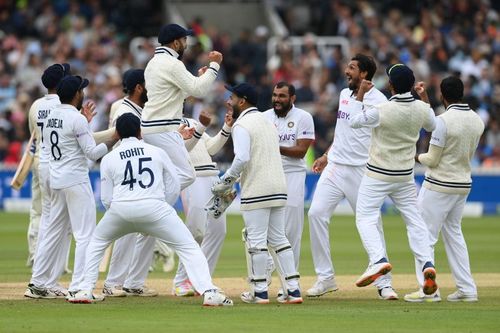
(315, 214)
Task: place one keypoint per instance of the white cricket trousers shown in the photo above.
(35, 211)
(442, 212)
(206, 230)
(371, 196)
(173, 144)
(130, 261)
(337, 182)
(266, 227)
(294, 212)
(72, 207)
(155, 218)
(64, 248)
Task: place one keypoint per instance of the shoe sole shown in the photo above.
(391, 298)
(319, 295)
(468, 300)
(423, 300)
(80, 301)
(255, 302)
(370, 279)
(430, 286)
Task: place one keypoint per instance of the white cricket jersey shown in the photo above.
(135, 171)
(39, 111)
(297, 124)
(350, 146)
(126, 106)
(168, 83)
(69, 142)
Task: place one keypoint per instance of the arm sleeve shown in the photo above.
(306, 128)
(430, 124)
(32, 118)
(364, 115)
(432, 157)
(170, 179)
(241, 139)
(197, 86)
(87, 142)
(438, 137)
(214, 144)
(199, 131)
(106, 185)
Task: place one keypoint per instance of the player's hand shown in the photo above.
(320, 164)
(186, 132)
(365, 86)
(421, 92)
(202, 70)
(205, 118)
(88, 110)
(215, 56)
(228, 118)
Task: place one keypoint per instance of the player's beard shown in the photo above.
(181, 52)
(79, 105)
(285, 107)
(144, 96)
(354, 85)
(236, 111)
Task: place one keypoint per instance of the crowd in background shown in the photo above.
(102, 39)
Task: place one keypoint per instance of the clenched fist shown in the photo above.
(215, 56)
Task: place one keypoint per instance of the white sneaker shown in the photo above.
(113, 291)
(33, 291)
(372, 273)
(71, 294)
(59, 291)
(419, 297)
(184, 289)
(459, 296)
(142, 292)
(322, 287)
(292, 297)
(215, 298)
(388, 294)
(255, 298)
(85, 297)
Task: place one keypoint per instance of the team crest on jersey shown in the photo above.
(291, 124)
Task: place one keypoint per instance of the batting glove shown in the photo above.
(223, 185)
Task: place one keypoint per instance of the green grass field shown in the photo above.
(349, 310)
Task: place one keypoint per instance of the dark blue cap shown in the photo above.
(69, 86)
(170, 32)
(401, 77)
(54, 74)
(127, 125)
(132, 78)
(246, 91)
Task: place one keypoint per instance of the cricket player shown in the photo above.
(296, 133)
(168, 83)
(40, 210)
(132, 253)
(396, 126)
(208, 231)
(342, 168)
(137, 182)
(70, 143)
(257, 163)
(446, 186)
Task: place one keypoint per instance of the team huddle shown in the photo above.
(151, 155)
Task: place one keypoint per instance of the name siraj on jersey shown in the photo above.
(54, 123)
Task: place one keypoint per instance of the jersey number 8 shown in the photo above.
(130, 180)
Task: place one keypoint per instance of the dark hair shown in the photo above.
(366, 64)
(66, 99)
(452, 89)
(291, 87)
(128, 125)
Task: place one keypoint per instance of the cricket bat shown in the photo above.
(25, 165)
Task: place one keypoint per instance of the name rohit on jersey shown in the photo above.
(138, 151)
(54, 123)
